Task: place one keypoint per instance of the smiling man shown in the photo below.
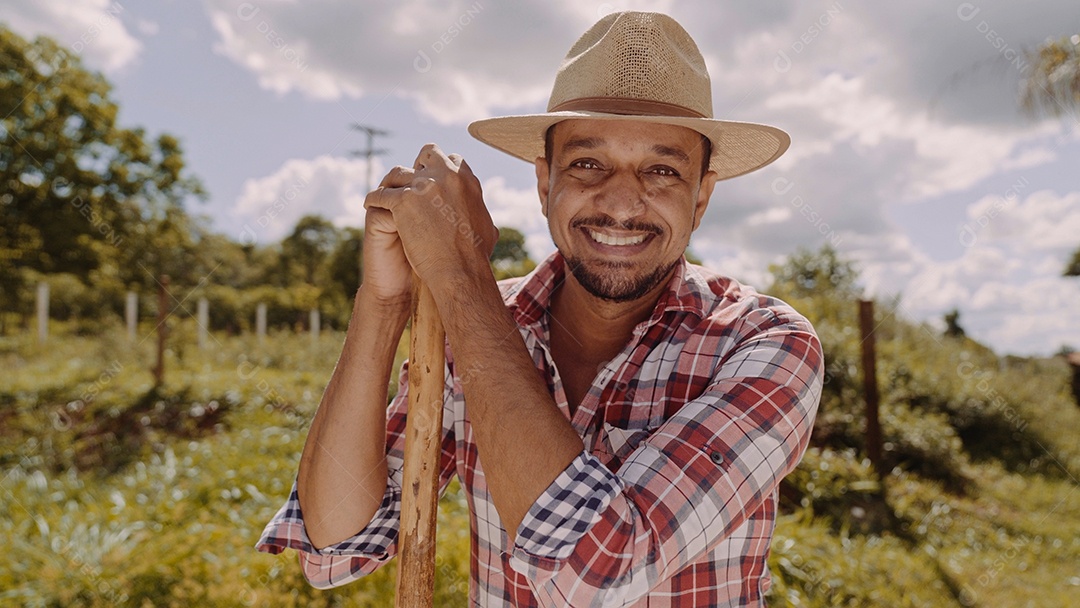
(620, 419)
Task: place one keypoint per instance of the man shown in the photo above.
(619, 419)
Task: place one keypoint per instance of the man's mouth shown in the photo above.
(608, 239)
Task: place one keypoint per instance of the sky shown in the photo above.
(910, 154)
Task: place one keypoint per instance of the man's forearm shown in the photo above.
(342, 476)
(523, 440)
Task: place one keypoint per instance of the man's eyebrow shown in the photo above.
(582, 143)
(676, 153)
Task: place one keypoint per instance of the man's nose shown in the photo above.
(623, 196)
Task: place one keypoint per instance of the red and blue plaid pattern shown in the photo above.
(687, 433)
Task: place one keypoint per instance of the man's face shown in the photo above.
(621, 199)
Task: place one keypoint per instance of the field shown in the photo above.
(117, 493)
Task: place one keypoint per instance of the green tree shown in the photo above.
(510, 258)
(692, 257)
(77, 189)
(1073, 268)
(952, 324)
(1052, 87)
(1053, 84)
(310, 244)
(808, 273)
(344, 266)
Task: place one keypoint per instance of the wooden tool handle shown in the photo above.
(423, 436)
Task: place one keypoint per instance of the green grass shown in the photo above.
(114, 493)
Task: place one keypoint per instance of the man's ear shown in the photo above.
(705, 189)
(543, 183)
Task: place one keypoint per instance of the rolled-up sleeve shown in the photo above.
(602, 538)
(341, 562)
(376, 543)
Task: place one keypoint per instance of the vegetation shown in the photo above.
(1053, 88)
(1053, 85)
(117, 493)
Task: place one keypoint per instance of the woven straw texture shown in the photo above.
(635, 56)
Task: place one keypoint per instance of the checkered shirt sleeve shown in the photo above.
(342, 562)
(376, 543)
(602, 538)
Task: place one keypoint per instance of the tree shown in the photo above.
(1053, 85)
(807, 273)
(692, 257)
(77, 189)
(510, 258)
(309, 245)
(952, 324)
(344, 265)
(1073, 268)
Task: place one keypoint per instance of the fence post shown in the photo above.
(204, 321)
(162, 330)
(131, 313)
(42, 311)
(870, 386)
(260, 321)
(313, 325)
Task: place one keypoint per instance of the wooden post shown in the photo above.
(42, 311)
(203, 318)
(162, 330)
(260, 321)
(870, 386)
(313, 325)
(131, 313)
(423, 436)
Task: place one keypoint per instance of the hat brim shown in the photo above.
(738, 147)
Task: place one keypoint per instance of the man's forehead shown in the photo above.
(587, 133)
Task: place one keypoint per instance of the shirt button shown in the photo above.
(717, 458)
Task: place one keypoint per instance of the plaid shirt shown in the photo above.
(687, 433)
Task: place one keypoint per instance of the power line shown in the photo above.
(369, 152)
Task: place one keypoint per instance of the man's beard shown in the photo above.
(604, 280)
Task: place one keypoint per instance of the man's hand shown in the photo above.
(431, 218)
(387, 274)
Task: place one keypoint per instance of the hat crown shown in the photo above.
(634, 56)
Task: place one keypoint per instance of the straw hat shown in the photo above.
(642, 67)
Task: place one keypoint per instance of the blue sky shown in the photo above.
(909, 152)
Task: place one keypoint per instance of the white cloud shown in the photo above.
(519, 209)
(456, 60)
(147, 27)
(887, 104)
(944, 157)
(1034, 317)
(93, 29)
(334, 187)
(1007, 283)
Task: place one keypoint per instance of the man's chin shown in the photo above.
(617, 282)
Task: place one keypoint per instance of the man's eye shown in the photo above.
(585, 164)
(665, 171)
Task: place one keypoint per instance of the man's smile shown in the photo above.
(620, 240)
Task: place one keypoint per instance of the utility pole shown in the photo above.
(870, 388)
(370, 151)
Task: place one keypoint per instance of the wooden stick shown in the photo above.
(423, 436)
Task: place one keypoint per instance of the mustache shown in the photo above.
(606, 221)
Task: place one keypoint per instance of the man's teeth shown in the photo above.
(616, 240)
